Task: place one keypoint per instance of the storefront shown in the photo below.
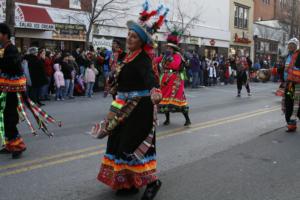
(212, 47)
(266, 50)
(242, 45)
(68, 36)
(237, 50)
(32, 28)
(47, 31)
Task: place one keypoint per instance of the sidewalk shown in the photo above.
(267, 168)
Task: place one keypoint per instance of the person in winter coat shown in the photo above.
(195, 68)
(37, 73)
(67, 70)
(26, 73)
(59, 82)
(49, 74)
(90, 77)
(242, 75)
(212, 74)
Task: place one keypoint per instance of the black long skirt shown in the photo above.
(119, 168)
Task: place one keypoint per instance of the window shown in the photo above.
(266, 1)
(76, 4)
(47, 2)
(241, 17)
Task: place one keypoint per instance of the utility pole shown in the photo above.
(293, 19)
(10, 17)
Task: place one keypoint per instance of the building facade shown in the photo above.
(54, 24)
(269, 40)
(241, 28)
(209, 35)
(264, 10)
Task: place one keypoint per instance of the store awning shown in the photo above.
(33, 18)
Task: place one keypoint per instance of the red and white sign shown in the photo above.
(212, 42)
(26, 19)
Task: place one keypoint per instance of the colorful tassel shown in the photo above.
(2, 108)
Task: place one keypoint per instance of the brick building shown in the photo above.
(264, 10)
(55, 24)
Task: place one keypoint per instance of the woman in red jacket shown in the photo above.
(48, 65)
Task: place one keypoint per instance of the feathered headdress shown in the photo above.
(174, 35)
(144, 28)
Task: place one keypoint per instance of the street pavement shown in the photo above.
(236, 149)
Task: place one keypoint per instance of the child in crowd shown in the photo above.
(90, 77)
(59, 82)
(212, 74)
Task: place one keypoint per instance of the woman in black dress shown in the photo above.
(130, 159)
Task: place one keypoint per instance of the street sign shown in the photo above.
(212, 42)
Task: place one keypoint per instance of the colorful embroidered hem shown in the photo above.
(15, 145)
(12, 84)
(120, 174)
(172, 105)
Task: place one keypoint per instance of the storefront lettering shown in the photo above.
(69, 32)
(31, 25)
(102, 42)
(242, 40)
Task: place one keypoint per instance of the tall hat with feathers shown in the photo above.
(144, 28)
(174, 36)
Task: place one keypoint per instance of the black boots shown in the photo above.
(127, 192)
(16, 154)
(186, 116)
(187, 119)
(149, 194)
(167, 122)
(151, 190)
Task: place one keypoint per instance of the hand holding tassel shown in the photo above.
(156, 96)
(99, 130)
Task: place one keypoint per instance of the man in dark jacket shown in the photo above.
(195, 68)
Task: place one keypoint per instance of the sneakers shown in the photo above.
(238, 95)
(249, 94)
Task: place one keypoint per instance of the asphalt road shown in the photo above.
(236, 149)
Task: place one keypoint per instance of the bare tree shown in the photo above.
(289, 20)
(185, 21)
(104, 11)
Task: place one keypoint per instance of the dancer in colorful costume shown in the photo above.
(130, 159)
(13, 99)
(242, 77)
(172, 80)
(291, 98)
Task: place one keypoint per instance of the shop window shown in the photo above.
(241, 17)
(47, 2)
(75, 4)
